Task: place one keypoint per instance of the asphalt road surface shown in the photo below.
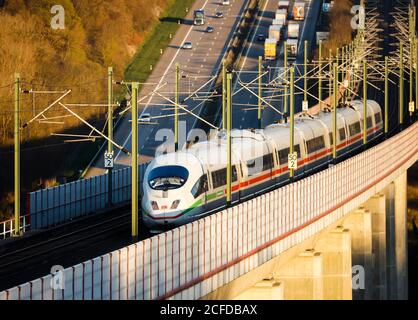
(244, 102)
(197, 66)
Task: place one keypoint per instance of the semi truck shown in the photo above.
(281, 14)
(275, 32)
(278, 22)
(199, 17)
(284, 5)
(299, 11)
(292, 48)
(270, 49)
(293, 39)
(293, 30)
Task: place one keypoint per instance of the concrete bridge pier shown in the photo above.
(401, 236)
(396, 238)
(377, 206)
(396, 230)
(302, 276)
(359, 222)
(267, 289)
(335, 248)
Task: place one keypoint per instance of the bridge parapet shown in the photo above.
(196, 259)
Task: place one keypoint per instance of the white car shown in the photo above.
(188, 45)
(145, 117)
(225, 3)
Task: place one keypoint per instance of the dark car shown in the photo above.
(209, 29)
(219, 14)
(261, 37)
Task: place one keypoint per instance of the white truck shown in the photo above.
(293, 30)
(284, 5)
(292, 39)
(281, 14)
(275, 32)
(299, 11)
(278, 22)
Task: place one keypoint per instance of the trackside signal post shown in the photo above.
(416, 74)
(259, 90)
(110, 131)
(386, 96)
(17, 155)
(334, 110)
(320, 76)
(176, 109)
(229, 146)
(364, 102)
(285, 76)
(292, 119)
(401, 85)
(135, 87)
(305, 77)
(223, 94)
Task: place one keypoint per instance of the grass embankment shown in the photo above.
(159, 38)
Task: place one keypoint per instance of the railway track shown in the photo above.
(73, 244)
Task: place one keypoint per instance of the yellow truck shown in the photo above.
(270, 49)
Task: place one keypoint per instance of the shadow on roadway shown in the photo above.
(176, 20)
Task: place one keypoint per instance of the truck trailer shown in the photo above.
(299, 11)
(275, 32)
(292, 48)
(293, 30)
(270, 49)
(281, 14)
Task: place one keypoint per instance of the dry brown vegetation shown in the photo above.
(339, 27)
(97, 34)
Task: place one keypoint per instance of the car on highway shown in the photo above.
(261, 37)
(188, 45)
(145, 117)
(219, 14)
(209, 29)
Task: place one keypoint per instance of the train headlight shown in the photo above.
(175, 204)
(154, 205)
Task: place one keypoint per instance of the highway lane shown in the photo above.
(245, 116)
(197, 65)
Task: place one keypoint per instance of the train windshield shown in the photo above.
(168, 177)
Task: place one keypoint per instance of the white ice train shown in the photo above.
(183, 186)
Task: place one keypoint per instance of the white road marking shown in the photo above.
(159, 83)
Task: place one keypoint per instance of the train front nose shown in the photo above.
(162, 212)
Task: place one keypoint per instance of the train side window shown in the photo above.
(378, 118)
(268, 162)
(315, 144)
(342, 134)
(369, 122)
(201, 186)
(283, 154)
(260, 164)
(331, 138)
(234, 174)
(219, 177)
(354, 128)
